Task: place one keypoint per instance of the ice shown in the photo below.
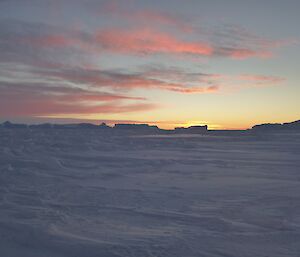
(87, 193)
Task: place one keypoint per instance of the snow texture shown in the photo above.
(91, 193)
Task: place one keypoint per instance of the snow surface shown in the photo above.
(88, 193)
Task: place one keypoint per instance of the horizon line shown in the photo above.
(114, 123)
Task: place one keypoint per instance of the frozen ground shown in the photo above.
(85, 193)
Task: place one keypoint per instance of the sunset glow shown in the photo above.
(180, 64)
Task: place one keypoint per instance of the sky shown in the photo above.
(228, 64)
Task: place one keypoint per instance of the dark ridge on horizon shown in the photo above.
(127, 127)
(278, 126)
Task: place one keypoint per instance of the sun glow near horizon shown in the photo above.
(96, 119)
(170, 65)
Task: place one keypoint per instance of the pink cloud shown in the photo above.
(65, 41)
(144, 16)
(195, 90)
(31, 107)
(261, 78)
(126, 82)
(143, 41)
(96, 98)
(53, 41)
(162, 18)
(147, 41)
(233, 83)
(240, 43)
(244, 53)
(36, 100)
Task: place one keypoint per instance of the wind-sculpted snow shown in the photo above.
(91, 193)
